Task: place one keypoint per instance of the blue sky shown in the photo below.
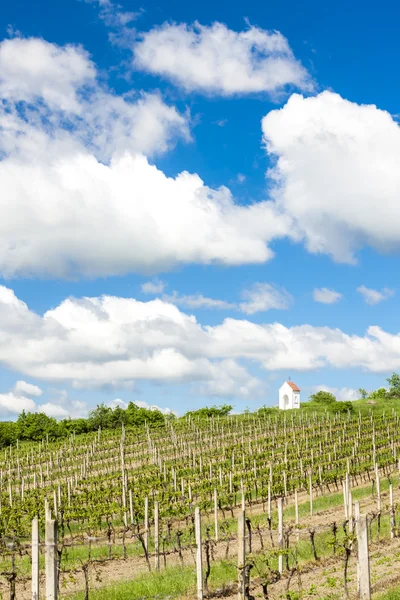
(197, 202)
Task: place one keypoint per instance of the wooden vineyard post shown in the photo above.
(146, 523)
(350, 512)
(269, 500)
(199, 554)
(392, 521)
(356, 511)
(156, 536)
(131, 506)
(345, 501)
(216, 514)
(364, 585)
(296, 513)
(51, 560)
(378, 489)
(311, 495)
(242, 555)
(35, 559)
(280, 534)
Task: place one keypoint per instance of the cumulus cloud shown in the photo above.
(336, 173)
(326, 296)
(98, 207)
(153, 287)
(264, 296)
(372, 296)
(53, 410)
(86, 218)
(217, 60)
(27, 388)
(14, 404)
(98, 341)
(17, 400)
(33, 69)
(51, 96)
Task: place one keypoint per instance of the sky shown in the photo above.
(197, 202)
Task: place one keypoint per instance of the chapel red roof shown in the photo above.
(293, 386)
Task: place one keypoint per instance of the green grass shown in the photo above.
(172, 582)
(391, 595)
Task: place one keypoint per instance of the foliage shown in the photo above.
(38, 426)
(323, 397)
(394, 384)
(267, 410)
(35, 426)
(379, 394)
(362, 393)
(342, 407)
(212, 411)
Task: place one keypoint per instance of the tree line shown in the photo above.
(39, 426)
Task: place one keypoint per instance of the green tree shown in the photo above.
(342, 407)
(210, 411)
(323, 397)
(362, 393)
(378, 394)
(394, 384)
(35, 426)
(101, 416)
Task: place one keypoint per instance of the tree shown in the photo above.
(101, 416)
(394, 384)
(379, 394)
(35, 426)
(323, 397)
(211, 411)
(363, 393)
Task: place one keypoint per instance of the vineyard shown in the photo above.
(258, 505)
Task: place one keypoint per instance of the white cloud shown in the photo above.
(260, 297)
(118, 403)
(15, 404)
(53, 410)
(153, 287)
(326, 296)
(119, 20)
(341, 394)
(198, 301)
(86, 218)
(372, 296)
(336, 173)
(98, 207)
(33, 69)
(216, 60)
(52, 101)
(264, 296)
(27, 388)
(92, 342)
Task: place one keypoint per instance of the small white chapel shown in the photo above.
(289, 396)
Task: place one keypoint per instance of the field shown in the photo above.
(112, 491)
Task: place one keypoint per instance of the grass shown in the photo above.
(391, 595)
(73, 556)
(172, 582)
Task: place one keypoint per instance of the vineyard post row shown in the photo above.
(51, 566)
